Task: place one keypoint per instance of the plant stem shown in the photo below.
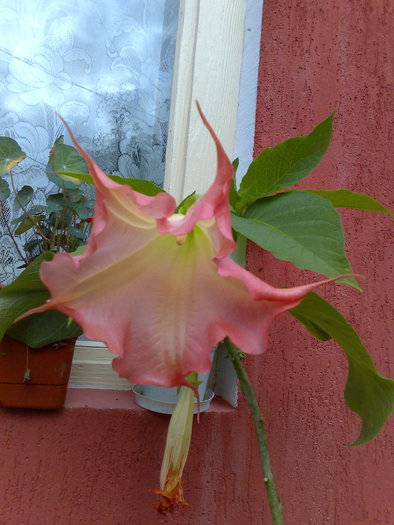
(250, 398)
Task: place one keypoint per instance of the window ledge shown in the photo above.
(120, 400)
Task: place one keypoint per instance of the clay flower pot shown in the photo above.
(34, 378)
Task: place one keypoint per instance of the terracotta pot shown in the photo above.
(45, 385)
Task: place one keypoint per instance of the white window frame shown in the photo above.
(210, 43)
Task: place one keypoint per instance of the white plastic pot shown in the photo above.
(164, 400)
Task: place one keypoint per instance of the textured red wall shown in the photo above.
(317, 57)
(96, 462)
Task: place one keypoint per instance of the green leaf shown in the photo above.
(26, 225)
(56, 202)
(143, 186)
(79, 209)
(82, 235)
(32, 245)
(84, 177)
(299, 227)
(38, 209)
(24, 196)
(285, 164)
(65, 160)
(25, 292)
(10, 154)
(187, 203)
(313, 328)
(62, 182)
(44, 328)
(367, 392)
(234, 196)
(351, 199)
(239, 254)
(4, 190)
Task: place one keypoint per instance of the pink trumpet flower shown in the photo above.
(159, 288)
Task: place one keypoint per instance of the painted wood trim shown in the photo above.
(92, 368)
(208, 65)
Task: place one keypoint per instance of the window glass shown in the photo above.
(106, 67)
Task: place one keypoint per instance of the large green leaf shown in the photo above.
(285, 164)
(25, 292)
(43, 329)
(299, 227)
(10, 154)
(367, 392)
(351, 199)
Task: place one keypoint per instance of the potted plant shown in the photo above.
(36, 353)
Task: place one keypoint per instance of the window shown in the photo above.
(209, 47)
(106, 67)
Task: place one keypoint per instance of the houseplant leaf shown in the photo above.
(299, 227)
(284, 164)
(10, 154)
(367, 392)
(43, 329)
(26, 224)
(4, 190)
(25, 292)
(24, 196)
(65, 159)
(141, 185)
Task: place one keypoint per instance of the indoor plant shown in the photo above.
(194, 295)
(36, 354)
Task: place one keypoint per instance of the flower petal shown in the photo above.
(159, 289)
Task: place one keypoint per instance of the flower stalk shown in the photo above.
(250, 398)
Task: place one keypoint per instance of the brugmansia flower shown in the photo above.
(159, 287)
(175, 454)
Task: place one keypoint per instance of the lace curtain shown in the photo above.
(106, 67)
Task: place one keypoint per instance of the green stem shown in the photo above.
(250, 398)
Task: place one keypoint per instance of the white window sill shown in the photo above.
(92, 368)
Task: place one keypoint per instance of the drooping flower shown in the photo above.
(158, 287)
(175, 453)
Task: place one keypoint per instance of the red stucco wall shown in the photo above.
(317, 57)
(94, 462)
